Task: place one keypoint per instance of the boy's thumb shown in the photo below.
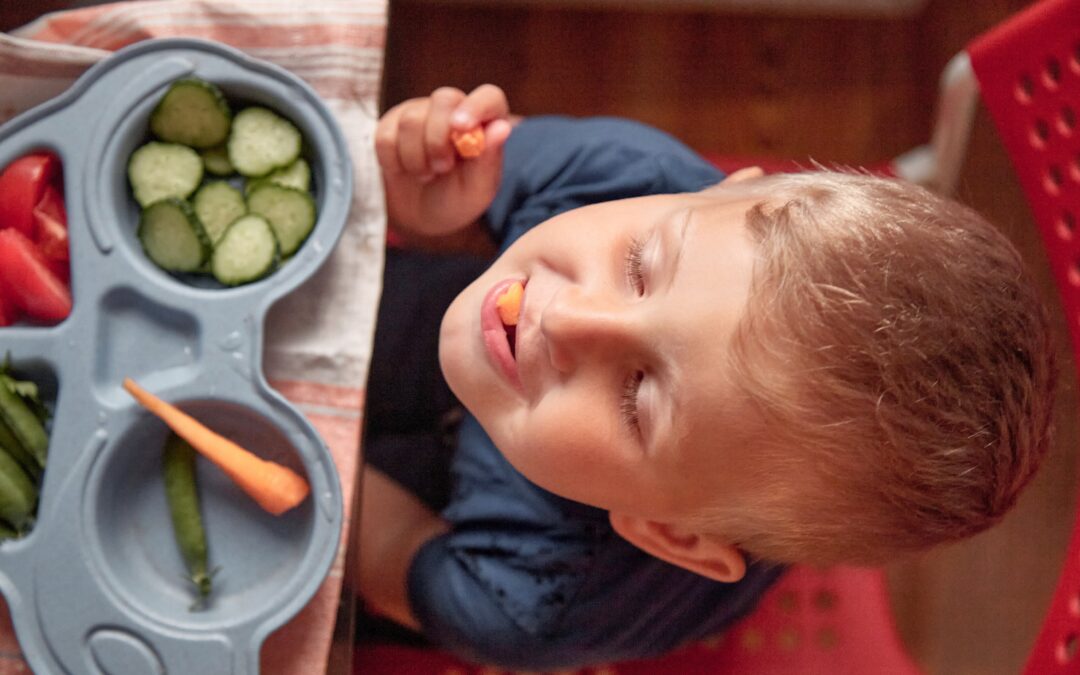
(485, 171)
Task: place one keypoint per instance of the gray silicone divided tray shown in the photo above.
(98, 585)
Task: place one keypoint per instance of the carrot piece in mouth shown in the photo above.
(509, 304)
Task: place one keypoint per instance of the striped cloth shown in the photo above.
(319, 338)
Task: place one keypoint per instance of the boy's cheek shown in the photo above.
(463, 362)
(453, 343)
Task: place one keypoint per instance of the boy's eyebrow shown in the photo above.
(674, 238)
(661, 407)
(672, 235)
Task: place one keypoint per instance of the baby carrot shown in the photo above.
(469, 144)
(276, 488)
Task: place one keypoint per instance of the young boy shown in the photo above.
(708, 378)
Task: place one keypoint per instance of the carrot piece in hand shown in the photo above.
(276, 488)
(469, 144)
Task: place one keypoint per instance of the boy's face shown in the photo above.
(617, 393)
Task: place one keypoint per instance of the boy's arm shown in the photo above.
(394, 525)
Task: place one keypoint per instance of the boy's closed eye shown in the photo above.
(650, 266)
(635, 276)
(629, 403)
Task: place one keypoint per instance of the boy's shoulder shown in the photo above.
(553, 164)
(526, 579)
(565, 138)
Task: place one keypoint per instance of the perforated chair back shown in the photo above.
(836, 621)
(1028, 71)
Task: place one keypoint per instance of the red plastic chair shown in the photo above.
(838, 621)
(1028, 75)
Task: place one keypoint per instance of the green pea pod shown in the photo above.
(17, 494)
(23, 423)
(182, 493)
(7, 531)
(17, 451)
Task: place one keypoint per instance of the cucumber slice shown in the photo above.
(296, 175)
(193, 112)
(216, 161)
(290, 212)
(261, 141)
(162, 170)
(246, 252)
(218, 204)
(173, 237)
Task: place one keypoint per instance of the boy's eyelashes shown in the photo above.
(628, 404)
(635, 275)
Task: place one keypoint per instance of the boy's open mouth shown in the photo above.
(511, 338)
(499, 312)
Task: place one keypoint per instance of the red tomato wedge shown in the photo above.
(22, 184)
(51, 231)
(9, 313)
(61, 269)
(27, 280)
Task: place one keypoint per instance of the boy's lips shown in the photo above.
(496, 343)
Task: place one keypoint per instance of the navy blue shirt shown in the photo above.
(526, 579)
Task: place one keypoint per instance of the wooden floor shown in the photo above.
(852, 91)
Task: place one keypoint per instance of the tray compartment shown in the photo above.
(131, 531)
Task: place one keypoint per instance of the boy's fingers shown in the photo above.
(483, 104)
(484, 172)
(388, 134)
(413, 138)
(411, 148)
(386, 140)
(496, 134)
(440, 153)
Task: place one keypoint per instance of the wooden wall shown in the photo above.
(845, 90)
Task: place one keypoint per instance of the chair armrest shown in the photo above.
(937, 165)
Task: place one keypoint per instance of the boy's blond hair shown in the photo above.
(902, 363)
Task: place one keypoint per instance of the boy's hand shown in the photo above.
(430, 189)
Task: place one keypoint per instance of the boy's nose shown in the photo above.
(576, 324)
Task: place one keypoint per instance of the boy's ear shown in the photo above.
(745, 173)
(742, 174)
(704, 554)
